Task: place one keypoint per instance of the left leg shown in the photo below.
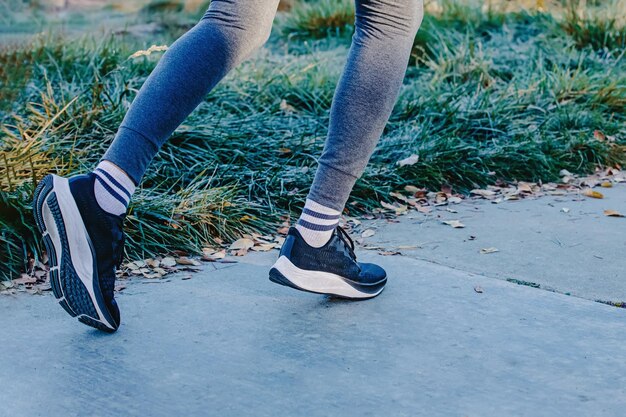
(317, 255)
(365, 95)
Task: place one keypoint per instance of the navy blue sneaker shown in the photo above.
(84, 244)
(331, 269)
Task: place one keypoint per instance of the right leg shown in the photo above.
(229, 31)
(81, 217)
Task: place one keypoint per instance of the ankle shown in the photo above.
(317, 223)
(113, 188)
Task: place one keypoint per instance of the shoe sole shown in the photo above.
(73, 272)
(284, 272)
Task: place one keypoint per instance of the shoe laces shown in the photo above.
(345, 238)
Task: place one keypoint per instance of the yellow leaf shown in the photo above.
(593, 194)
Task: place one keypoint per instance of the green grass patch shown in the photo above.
(489, 95)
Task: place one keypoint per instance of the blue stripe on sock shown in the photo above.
(321, 215)
(317, 227)
(112, 191)
(114, 181)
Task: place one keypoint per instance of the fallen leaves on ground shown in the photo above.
(570, 183)
(613, 213)
(454, 223)
(35, 282)
(486, 251)
(593, 194)
(368, 233)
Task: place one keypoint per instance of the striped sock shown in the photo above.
(113, 188)
(316, 223)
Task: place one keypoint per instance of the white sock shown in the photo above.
(113, 188)
(316, 223)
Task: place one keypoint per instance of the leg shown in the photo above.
(364, 98)
(81, 217)
(366, 94)
(229, 31)
(318, 256)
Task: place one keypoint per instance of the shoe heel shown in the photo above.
(41, 193)
(278, 278)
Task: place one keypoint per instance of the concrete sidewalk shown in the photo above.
(228, 342)
(564, 243)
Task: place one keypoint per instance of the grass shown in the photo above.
(489, 95)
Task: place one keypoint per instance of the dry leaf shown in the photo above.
(286, 107)
(284, 151)
(243, 243)
(398, 209)
(211, 256)
(483, 193)
(187, 261)
(606, 184)
(160, 271)
(399, 196)
(411, 160)
(152, 263)
(525, 187)
(485, 251)
(454, 223)
(168, 262)
(412, 189)
(593, 194)
(613, 213)
(25, 279)
(368, 233)
(599, 135)
(136, 264)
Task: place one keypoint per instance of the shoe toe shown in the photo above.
(372, 273)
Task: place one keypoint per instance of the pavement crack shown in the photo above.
(522, 282)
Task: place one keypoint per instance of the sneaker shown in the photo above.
(331, 269)
(84, 244)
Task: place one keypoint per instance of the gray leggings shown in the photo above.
(229, 31)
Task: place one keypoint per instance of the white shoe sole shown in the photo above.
(73, 275)
(284, 272)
